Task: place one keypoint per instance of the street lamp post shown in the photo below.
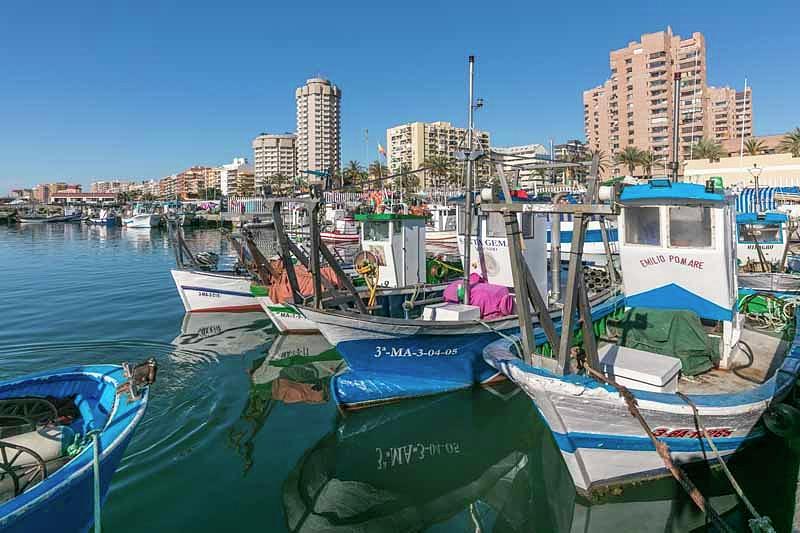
(756, 172)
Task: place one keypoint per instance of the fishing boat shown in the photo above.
(409, 467)
(207, 282)
(682, 348)
(762, 253)
(105, 217)
(214, 291)
(344, 230)
(142, 216)
(442, 225)
(68, 215)
(594, 250)
(64, 433)
(392, 266)
(390, 357)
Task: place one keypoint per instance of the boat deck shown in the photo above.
(752, 366)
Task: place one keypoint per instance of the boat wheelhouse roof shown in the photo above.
(663, 189)
(761, 218)
(379, 217)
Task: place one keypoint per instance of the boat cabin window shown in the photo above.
(643, 226)
(690, 227)
(761, 233)
(376, 231)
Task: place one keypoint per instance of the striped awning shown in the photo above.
(746, 199)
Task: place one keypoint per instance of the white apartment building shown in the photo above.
(518, 160)
(237, 178)
(318, 140)
(274, 154)
(412, 144)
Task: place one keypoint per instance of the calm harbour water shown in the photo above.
(241, 433)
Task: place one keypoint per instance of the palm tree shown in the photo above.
(408, 182)
(791, 142)
(707, 149)
(438, 167)
(353, 172)
(630, 157)
(753, 146)
(647, 159)
(278, 181)
(377, 169)
(602, 158)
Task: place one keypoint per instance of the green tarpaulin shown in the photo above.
(675, 333)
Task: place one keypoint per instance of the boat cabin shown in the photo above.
(677, 247)
(489, 256)
(397, 243)
(768, 232)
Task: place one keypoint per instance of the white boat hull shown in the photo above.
(286, 317)
(142, 221)
(214, 291)
(602, 444)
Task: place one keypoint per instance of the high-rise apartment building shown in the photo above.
(274, 155)
(318, 126)
(635, 106)
(410, 145)
(730, 113)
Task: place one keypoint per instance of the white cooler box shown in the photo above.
(637, 369)
(449, 311)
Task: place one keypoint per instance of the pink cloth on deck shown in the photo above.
(493, 300)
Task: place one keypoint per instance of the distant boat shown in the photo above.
(106, 217)
(142, 217)
(52, 412)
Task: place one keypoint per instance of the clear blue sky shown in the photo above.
(92, 90)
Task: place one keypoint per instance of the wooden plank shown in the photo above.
(315, 266)
(542, 310)
(343, 278)
(283, 248)
(571, 294)
(521, 287)
(585, 313)
(612, 270)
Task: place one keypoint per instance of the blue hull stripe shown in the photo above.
(218, 291)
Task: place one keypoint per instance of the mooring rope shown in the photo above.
(663, 451)
(758, 523)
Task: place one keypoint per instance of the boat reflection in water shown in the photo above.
(409, 465)
(472, 460)
(224, 333)
(296, 369)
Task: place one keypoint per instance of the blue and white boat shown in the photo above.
(58, 419)
(394, 358)
(677, 252)
(105, 217)
(594, 251)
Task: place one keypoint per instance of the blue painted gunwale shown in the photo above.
(64, 499)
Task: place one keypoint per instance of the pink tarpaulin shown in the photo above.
(493, 300)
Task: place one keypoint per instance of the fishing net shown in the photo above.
(674, 333)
